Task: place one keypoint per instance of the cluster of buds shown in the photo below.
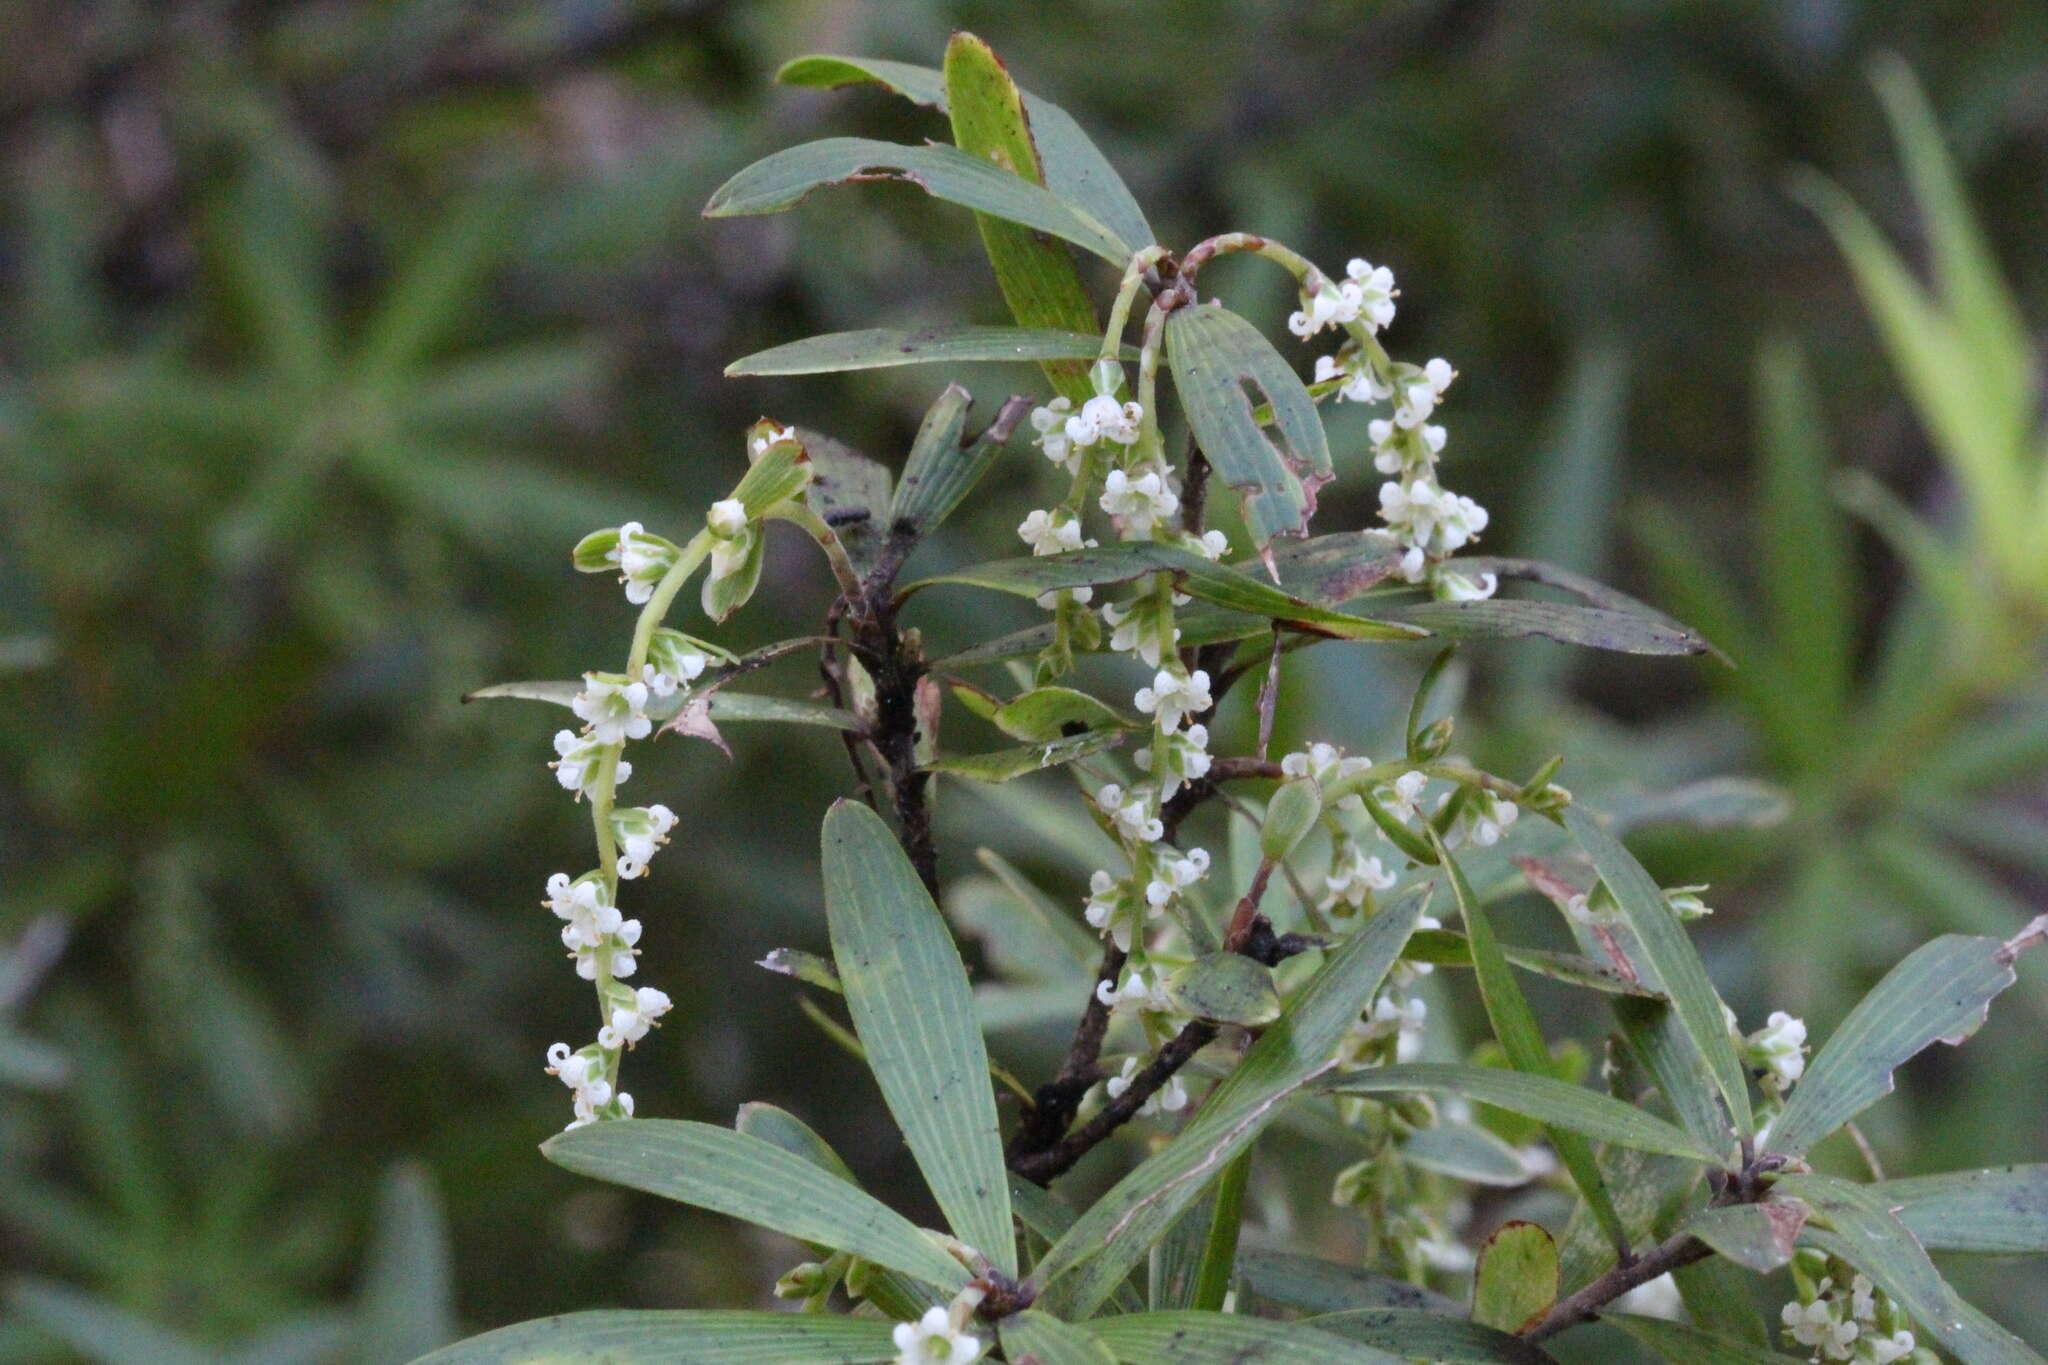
(1841, 1316)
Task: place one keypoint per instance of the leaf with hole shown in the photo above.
(1223, 368)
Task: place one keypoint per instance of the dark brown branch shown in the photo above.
(1586, 1304)
(1056, 1160)
(1054, 1104)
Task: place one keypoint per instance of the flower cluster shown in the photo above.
(1778, 1051)
(1431, 522)
(1842, 1316)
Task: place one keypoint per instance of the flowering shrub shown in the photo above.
(1203, 1015)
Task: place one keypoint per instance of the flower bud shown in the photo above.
(1432, 740)
(1290, 815)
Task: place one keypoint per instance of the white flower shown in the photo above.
(1131, 813)
(1171, 876)
(612, 954)
(1102, 418)
(1136, 629)
(727, 519)
(580, 761)
(1171, 698)
(585, 908)
(1323, 762)
(1421, 390)
(1897, 1346)
(1048, 533)
(1372, 286)
(1139, 504)
(1596, 909)
(1139, 990)
(936, 1339)
(613, 707)
(1050, 422)
(1177, 758)
(1399, 799)
(1210, 545)
(1685, 902)
(1326, 307)
(1361, 384)
(1111, 908)
(673, 662)
(583, 1073)
(1779, 1050)
(1481, 820)
(1453, 586)
(642, 559)
(1171, 1097)
(630, 1022)
(774, 435)
(1353, 878)
(640, 830)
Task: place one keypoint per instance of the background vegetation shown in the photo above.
(328, 327)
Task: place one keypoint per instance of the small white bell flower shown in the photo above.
(630, 1023)
(580, 761)
(1171, 698)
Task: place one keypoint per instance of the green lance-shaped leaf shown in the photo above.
(1554, 1103)
(1223, 368)
(1094, 1255)
(943, 468)
(1037, 276)
(1565, 622)
(1075, 169)
(877, 348)
(1448, 948)
(747, 1178)
(1192, 1338)
(1682, 1345)
(1415, 1335)
(649, 1337)
(1514, 1024)
(907, 991)
(725, 707)
(1033, 575)
(1587, 589)
(1032, 1335)
(1854, 1222)
(1516, 1279)
(1670, 954)
(2003, 1210)
(783, 179)
(1941, 992)
(1466, 1152)
(1005, 765)
(1318, 1286)
(1758, 1237)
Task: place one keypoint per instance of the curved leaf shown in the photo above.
(1004, 765)
(1853, 1222)
(1554, 1103)
(747, 1178)
(1191, 1338)
(879, 347)
(1075, 169)
(907, 991)
(1040, 1337)
(1226, 988)
(1758, 1237)
(1416, 1335)
(1670, 954)
(1030, 576)
(2003, 1210)
(725, 707)
(783, 179)
(1941, 992)
(1682, 1345)
(1319, 1286)
(649, 1337)
(1566, 622)
(1223, 368)
(1094, 1255)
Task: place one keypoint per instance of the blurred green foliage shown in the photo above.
(326, 328)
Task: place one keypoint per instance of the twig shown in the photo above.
(1056, 1160)
(1585, 1305)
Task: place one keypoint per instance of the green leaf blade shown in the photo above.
(1091, 1259)
(1215, 355)
(1671, 955)
(907, 990)
(1415, 1335)
(784, 179)
(1516, 1279)
(655, 1337)
(1193, 1338)
(881, 347)
(1999, 1211)
(746, 1178)
(1942, 991)
(1682, 1345)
